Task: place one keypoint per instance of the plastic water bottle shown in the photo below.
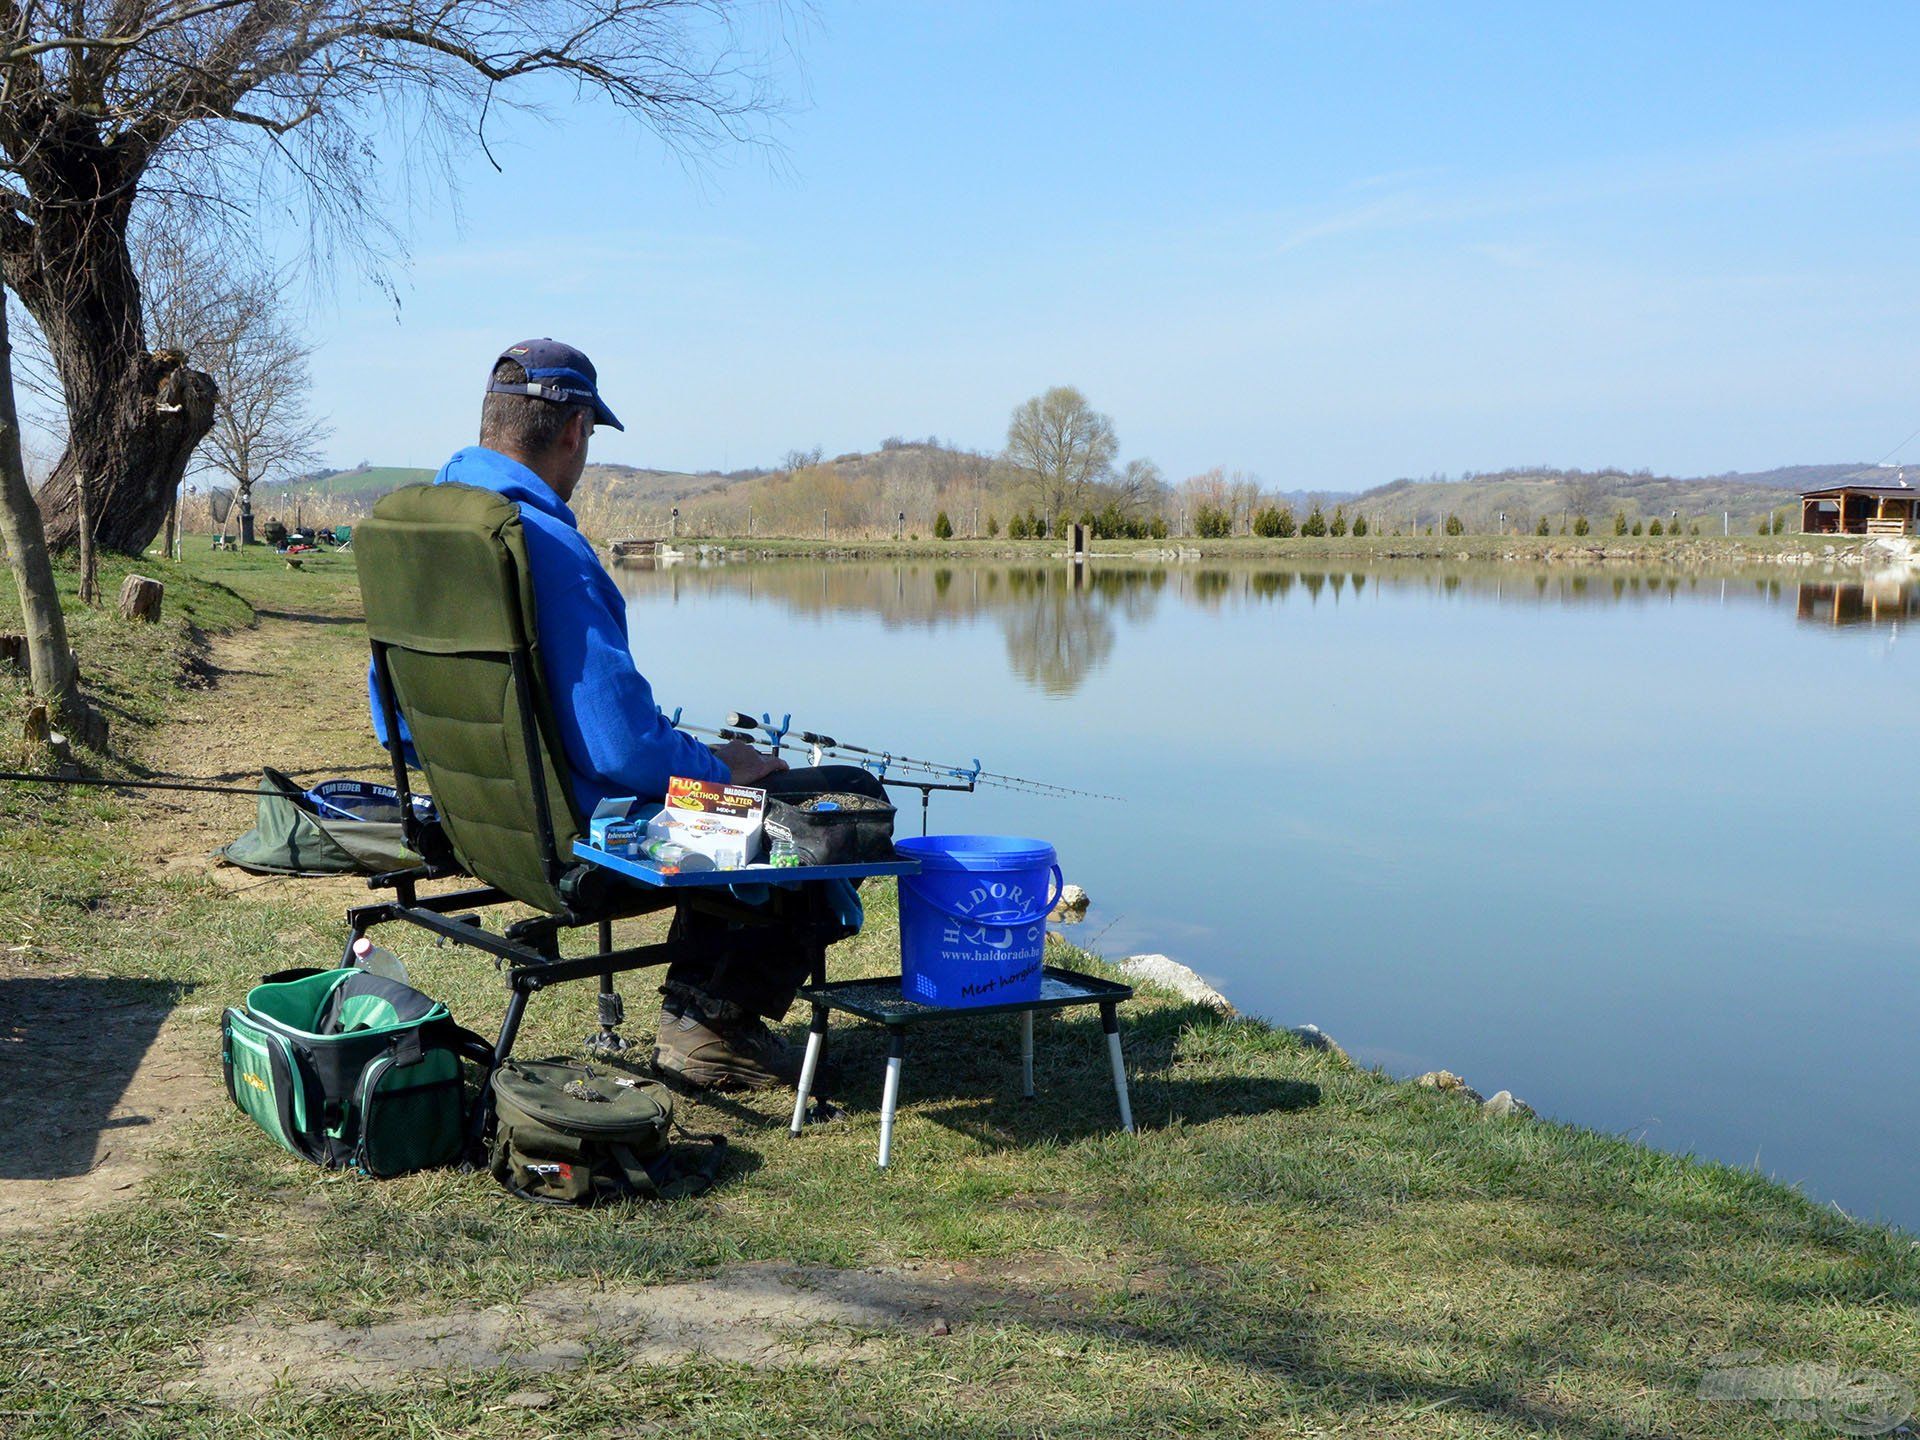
(378, 960)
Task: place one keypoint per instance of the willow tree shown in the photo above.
(190, 102)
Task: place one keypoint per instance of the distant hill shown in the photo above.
(861, 493)
(362, 480)
(1803, 477)
(334, 494)
(1527, 495)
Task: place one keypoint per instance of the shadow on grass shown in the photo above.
(309, 617)
(69, 1047)
(1001, 1124)
(964, 1073)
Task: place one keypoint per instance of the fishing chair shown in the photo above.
(450, 616)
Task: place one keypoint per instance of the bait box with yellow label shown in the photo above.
(721, 822)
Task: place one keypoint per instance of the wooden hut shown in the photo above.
(1853, 509)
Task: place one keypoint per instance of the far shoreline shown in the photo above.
(1682, 554)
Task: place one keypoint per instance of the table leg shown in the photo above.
(809, 1065)
(1110, 1022)
(1026, 1054)
(890, 1091)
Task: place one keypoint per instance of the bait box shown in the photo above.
(721, 822)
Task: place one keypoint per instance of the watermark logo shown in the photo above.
(1861, 1402)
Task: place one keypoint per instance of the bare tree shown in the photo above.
(193, 101)
(1064, 446)
(261, 427)
(1584, 494)
(1139, 488)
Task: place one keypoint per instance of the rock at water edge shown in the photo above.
(1314, 1038)
(1071, 908)
(1448, 1083)
(1172, 975)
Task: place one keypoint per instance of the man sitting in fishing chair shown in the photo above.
(506, 638)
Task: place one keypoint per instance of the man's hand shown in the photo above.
(749, 766)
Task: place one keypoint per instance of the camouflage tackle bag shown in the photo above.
(567, 1133)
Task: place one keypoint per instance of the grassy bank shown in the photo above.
(1641, 551)
(1291, 1246)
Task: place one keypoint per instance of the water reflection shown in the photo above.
(1060, 620)
(1872, 602)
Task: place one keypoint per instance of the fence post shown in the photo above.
(823, 524)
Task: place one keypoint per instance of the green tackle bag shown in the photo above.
(351, 1069)
(572, 1134)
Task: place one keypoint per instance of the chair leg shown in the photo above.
(890, 1091)
(608, 1040)
(502, 1048)
(1026, 1054)
(809, 1067)
(1110, 1022)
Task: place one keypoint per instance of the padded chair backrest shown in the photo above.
(449, 595)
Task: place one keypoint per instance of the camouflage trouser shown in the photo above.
(729, 970)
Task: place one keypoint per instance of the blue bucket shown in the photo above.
(973, 922)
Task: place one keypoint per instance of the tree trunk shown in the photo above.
(133, 417)
(136, 448)
(140, 598)
(89, 559)
(49, 658)
(169, 530)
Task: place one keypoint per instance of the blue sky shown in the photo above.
(1332, 244)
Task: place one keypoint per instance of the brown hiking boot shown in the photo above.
(729, 1055)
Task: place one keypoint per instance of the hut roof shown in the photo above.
(1903, 492)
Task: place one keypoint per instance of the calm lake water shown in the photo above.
(1635, 849)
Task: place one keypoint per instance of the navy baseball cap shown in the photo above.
(555, 372)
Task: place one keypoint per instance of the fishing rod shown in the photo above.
(199, 787)
(880, 761)
(775, 736)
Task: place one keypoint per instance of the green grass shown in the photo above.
(1290, 1247)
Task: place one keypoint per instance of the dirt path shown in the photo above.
(289, 693)
(97, 1073)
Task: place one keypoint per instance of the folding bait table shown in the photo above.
(882, 1000)
(884, 1003)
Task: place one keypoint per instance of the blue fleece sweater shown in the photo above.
(616, 741)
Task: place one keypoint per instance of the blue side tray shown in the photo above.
(647, 873)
